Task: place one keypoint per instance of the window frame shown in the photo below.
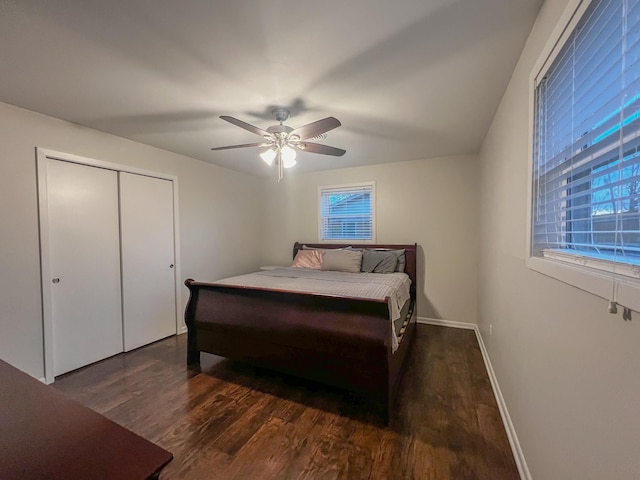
(603, 278)
(348, 186)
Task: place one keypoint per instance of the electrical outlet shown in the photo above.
(490, 329)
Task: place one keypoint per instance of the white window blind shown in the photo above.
(347, 212)
(586, 178)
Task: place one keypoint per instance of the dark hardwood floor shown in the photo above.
(234, 421)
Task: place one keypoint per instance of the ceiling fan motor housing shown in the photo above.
(279, 129)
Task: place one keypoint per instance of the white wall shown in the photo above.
(568, 369)
(432, 202)
(220, 218)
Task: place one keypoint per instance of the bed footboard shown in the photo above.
(339, 341)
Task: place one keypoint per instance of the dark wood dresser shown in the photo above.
(45, 435)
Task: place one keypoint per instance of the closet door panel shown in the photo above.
(84, 255)
(148, 281)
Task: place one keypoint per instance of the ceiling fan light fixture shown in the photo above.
(268, 156)
(288, 156)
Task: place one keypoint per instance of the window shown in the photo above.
(586, 165)
(347, 212)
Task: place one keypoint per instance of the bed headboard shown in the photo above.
(410, 255)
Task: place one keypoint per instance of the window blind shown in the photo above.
(586, 178)
(346, 213)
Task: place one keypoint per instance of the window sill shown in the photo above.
(574, 271)
(600, 262)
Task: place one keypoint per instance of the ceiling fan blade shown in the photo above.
(245, 125)
(262, 144)
(322, 149)
(314, 129)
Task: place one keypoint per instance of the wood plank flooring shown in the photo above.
(235, 421)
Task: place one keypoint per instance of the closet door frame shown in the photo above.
(43, 155)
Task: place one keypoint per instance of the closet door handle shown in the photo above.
(171, 266)
(55, 280)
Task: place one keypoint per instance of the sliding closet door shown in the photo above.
(84, 256)
(148, 280)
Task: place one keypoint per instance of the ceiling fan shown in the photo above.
(282, 140)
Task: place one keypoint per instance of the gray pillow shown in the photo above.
(401, 259)
(342, 260)
(375, 261)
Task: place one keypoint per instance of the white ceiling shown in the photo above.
(408, 79)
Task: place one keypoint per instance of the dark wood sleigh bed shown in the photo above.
(344, 342)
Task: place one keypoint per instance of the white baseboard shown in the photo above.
(447, 323)
(518, 455)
